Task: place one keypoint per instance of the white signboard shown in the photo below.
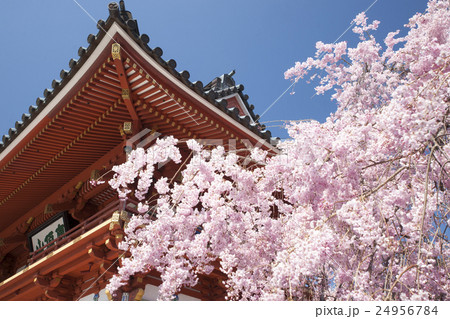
(47, 234)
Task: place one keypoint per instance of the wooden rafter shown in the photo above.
(126, 92)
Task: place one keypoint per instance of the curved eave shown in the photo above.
(46, 108)
(239, 90)
(54, 110)
(97, 44)
(187, 91)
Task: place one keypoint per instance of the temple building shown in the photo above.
(59, 234)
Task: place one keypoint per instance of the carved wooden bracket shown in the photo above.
(97, 252)
(55, 286)
(111, 244)
(108, 267)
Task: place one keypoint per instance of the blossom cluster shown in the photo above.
(355, 208)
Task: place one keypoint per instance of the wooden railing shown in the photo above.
(78, 230)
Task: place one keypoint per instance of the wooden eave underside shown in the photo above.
(82, 131)
(86, 126)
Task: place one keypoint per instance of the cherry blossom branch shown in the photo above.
(419, 253)
(398, 280)
(367, 194)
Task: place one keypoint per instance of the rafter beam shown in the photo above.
(126, 91)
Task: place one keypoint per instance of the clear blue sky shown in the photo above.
(260, 39)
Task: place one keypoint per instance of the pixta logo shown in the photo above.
(146, 137)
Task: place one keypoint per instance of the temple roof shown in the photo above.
(212, 92)
(224, 86)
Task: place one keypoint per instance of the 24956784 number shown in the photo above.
(406, 310)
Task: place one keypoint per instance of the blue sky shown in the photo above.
(259, 39)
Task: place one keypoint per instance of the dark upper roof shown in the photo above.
(222, 82)
(118, 13)
(224, 86)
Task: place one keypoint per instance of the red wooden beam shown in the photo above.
(126, 91)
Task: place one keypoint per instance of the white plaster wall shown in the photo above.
(150, 294)
(102, 297)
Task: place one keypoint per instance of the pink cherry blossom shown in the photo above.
(355, 208)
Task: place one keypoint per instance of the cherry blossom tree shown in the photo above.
(355, 208)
